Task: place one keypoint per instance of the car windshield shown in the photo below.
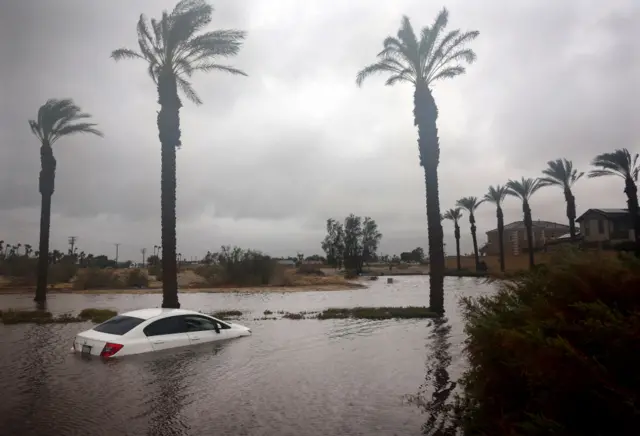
(118, 325)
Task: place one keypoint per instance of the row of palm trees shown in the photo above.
(561, 173)
(173, 48)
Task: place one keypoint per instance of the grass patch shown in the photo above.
(13, 316)
(225, 314)
(97, 315)
(267, 312)
(410, 312)
(290, 315)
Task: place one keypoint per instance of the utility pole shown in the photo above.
(144, 252)
(72, 243)
(117, 246)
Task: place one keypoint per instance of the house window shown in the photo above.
(600, 226)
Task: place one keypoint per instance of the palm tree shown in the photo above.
(496, 196)
(174, 49)
(560, 172)
(455, 215)
(623, 164)
(524, 189)
(421, 62)
(470, 204)
(56, 119)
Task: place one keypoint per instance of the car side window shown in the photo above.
(222, 325)
(166, 326)
(199, 323)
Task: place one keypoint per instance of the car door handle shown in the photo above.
(158, 342)
(195, 339)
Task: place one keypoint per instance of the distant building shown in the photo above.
(515, 237)
(606, 226)
(287, 262)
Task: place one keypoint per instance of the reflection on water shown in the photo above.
(341, 377)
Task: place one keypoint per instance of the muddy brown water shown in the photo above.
(306, 377)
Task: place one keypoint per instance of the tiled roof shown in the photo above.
(608, 213)
(519, 225)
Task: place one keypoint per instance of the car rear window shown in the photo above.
(118, 325)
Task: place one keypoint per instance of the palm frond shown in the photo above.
(496, 194)
(470, 204)
(525, 187)
(174, 45)
(58, 118)
(560, 172)
(453, 214)
(620, 163)
(378, 67)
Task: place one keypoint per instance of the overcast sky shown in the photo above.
(268, 158)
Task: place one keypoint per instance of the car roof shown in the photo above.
(157, 312)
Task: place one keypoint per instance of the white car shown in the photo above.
(145, 330)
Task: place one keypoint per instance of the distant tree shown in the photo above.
(524, 189)
(56, 119)
(333, 243)
(470, 204)
(623, 164)
(174, 49)
(370, 241)
(422, 60)
(154, 260)
(560, 172)
(315, 258)
(496, 196)
(353, 246)
(455, 215)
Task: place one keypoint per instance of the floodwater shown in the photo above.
(292, 377)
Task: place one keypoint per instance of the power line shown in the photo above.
(72, 243)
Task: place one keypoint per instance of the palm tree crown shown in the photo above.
(434, 56)
(620, 163)
(453, 214)
(496, 195)
(560, 172)
(469, 203)
(524, 188)
(58, 118)
(172, 45)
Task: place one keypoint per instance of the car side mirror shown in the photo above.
(216, 328)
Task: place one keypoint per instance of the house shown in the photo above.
(606, 226)
(515, 237)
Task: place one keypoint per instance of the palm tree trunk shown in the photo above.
(472, 220)
(634, 210)
(169, 133)
(528, 222)
(500, 216)
(457, 235)
(425, 117)
(571, 212)
(46, 187)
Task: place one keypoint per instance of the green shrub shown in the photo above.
(556, 351)
(97, 315)
(156, 271)
(137, 278)
(62, 272)
(97, 278)
(12, 316)
(238, 267)
(310, 269)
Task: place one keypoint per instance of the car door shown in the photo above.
(169, 332)
(203, 329)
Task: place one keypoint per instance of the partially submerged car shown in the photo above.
(146, 330)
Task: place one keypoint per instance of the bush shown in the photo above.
(97, 315)
(235, 266)
(156, 271)
(555, 351)
(137, 278)
(97, 278)
(62, 272)
(309, 269)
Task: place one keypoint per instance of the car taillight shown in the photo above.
(110, 349)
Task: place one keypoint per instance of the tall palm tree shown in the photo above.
(623, 164)
(174, 49)
(421, 62)
(524, 189)
(56, 119)
(455, 215)
(496, 196)
(560, 172)
(470, 204)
